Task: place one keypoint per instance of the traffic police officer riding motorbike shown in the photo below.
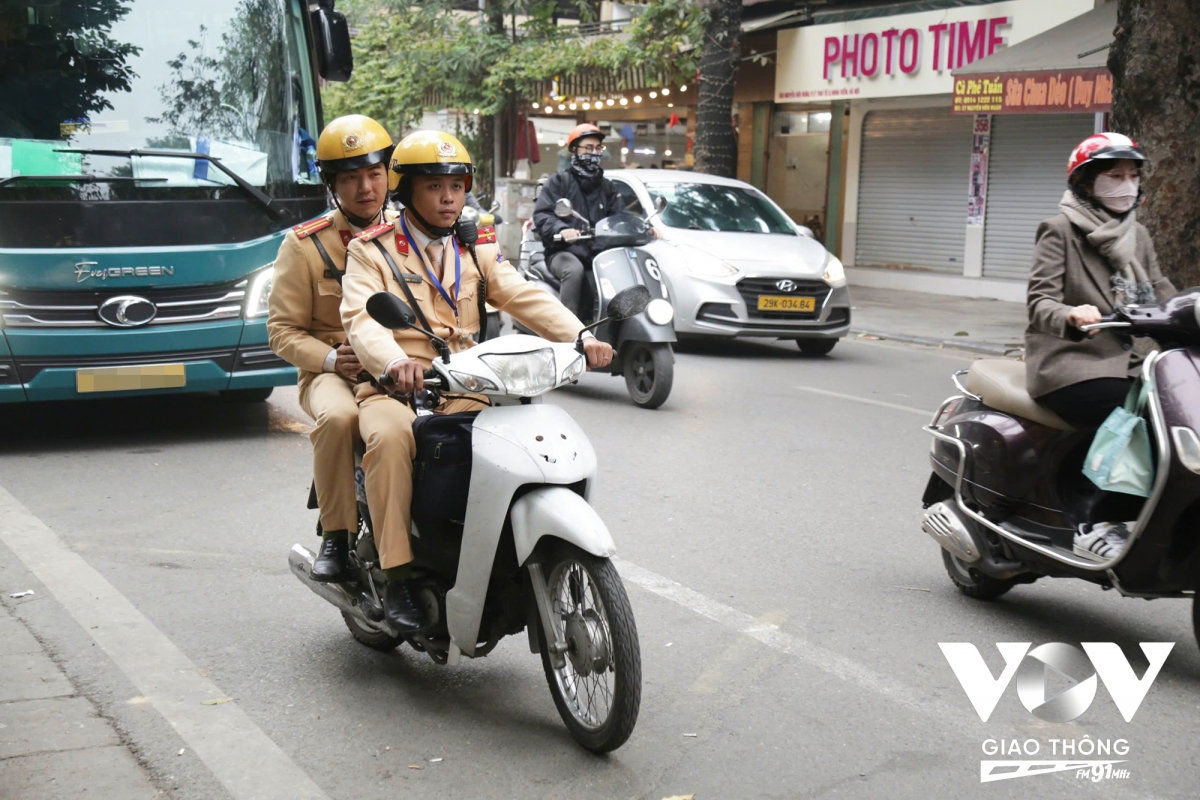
(305, 325)
(429, 258)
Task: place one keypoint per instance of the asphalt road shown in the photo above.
(767, 518)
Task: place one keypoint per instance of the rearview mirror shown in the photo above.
(628, 302)
(335, 59)
(660, 204)
(391, 312)
(563, 208)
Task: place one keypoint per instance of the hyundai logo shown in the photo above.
(127, 311)
(786, 285)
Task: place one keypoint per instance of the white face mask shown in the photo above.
(1116, 194)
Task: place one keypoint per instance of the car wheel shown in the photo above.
(816, 347)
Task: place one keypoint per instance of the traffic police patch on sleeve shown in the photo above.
(487, 235)
(375, 231)
(304, 230)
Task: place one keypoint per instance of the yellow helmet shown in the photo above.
(427, 153)
(352, 142)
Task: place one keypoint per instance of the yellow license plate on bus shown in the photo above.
(768, 302)
(124, 379)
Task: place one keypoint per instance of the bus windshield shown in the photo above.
(227, 78)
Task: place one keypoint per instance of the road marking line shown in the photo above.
(772, 636)
(246, 762)
(882, 404)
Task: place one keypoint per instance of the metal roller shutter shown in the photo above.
(1027, 175)
(912, 196)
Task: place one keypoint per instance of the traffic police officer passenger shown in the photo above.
(418, 258)
(305, 325)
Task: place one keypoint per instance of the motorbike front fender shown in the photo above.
(641, 329)
(561, 513)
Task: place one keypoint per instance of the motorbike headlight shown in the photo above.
(574, 370)
(259, 297)
(524, 374)
(473, 383)
(1187, 446)
(835, 273)
(660, 312)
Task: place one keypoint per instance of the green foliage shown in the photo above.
(412, 55)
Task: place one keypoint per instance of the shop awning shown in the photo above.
(1061, 70)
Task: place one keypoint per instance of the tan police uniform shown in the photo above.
(385, 423)
(304, 326)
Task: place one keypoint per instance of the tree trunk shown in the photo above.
(716, 147)
(1155, 63)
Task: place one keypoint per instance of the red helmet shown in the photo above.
(1104, 146)
(582, 131)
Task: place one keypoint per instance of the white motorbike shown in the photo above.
(521, 548)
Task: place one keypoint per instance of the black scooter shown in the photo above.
(643, 343)
(1007, 490)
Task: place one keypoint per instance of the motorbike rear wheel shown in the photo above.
(649, 373)
(598, 691)
(973, 583)
(372, 639)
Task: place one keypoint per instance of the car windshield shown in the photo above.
(220, 77)
(712, 207)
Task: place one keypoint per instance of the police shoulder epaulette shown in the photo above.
(307, 229)
(487, 235)
(375, 231)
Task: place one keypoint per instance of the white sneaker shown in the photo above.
(1104, 541)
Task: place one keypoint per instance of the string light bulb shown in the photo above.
(611, 101)
(683, 88)
(653, 95)
(637, 98)
(624, 101)
(535, 105)
(665, 91)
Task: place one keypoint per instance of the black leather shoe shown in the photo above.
(330, 564)
(400, 608)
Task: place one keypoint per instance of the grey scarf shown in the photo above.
(1116, 239)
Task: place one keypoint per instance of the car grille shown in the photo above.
(63, 309)
(751, 288)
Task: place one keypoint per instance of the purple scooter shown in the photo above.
(1008, 492)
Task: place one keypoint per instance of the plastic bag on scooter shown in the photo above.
(442, 468)
(1119, 459)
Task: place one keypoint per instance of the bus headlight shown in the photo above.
(259, 297)
(660, 312)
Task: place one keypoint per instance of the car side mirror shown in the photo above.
(660, 204)
(390, 311)
(563, 208)
(335, 59)
(629, 302)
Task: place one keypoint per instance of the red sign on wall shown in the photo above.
(1087, 90)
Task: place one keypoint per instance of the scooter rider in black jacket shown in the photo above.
(591, 195)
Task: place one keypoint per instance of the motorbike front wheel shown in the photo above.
(649, 373)
(598, 690)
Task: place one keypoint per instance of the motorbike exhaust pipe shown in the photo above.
(300, 560)
(945, 524)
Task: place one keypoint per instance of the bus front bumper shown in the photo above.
(74, 364)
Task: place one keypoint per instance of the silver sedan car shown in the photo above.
(736, 264)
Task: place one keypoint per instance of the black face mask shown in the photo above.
(587, 165)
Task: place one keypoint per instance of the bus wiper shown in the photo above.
(259, 196)
(75, 179)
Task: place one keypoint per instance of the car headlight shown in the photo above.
(472, 383)
(524, 374)
(704, 265)
(660, 312)
(258, 299)
(574, 370)
(835, 273)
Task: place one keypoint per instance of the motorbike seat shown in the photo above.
(1001, 385)
(543, 273)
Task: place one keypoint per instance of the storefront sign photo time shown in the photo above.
(905, 54)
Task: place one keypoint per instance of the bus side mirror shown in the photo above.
(335, 60)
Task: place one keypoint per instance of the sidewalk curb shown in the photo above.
(985, 348)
